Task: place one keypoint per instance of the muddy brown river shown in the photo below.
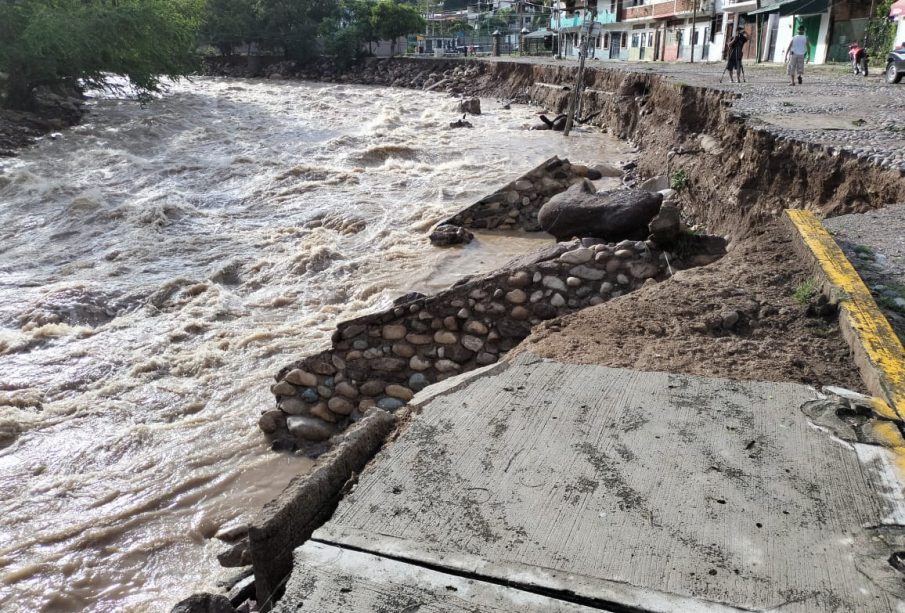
(159, 264)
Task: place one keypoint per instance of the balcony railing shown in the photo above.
(668, 8)
(575, 21)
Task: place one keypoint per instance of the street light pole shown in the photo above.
(694, 26)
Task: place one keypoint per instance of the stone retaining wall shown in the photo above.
(382, 360)
(515, 205)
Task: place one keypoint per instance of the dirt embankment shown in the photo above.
(740, 317)
(739, 176)
(53, 112)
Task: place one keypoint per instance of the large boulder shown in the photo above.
(472, 106)
(581, 211)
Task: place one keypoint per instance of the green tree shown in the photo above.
(345, 35)
(293, 26)
(392, 20)
(84, 42)
(230, 23)
(880, 32)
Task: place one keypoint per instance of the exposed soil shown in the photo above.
(677, 325)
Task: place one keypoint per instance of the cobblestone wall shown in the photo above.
(382, 360)
(516, 204)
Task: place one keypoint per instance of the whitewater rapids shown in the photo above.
(159, 264)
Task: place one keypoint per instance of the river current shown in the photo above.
(159, 264)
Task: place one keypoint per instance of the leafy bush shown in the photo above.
(678, 180)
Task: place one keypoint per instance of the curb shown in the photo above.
(307, 502)
(878, 352)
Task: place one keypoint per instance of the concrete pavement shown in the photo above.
(617, 490)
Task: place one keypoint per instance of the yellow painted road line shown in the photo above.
(878, 351)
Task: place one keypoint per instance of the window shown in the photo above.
(606, 40)
(650, 39)
(695, 41)
(624, 37)
(636, 41)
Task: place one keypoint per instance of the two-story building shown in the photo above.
(668, 30)
(573, 20)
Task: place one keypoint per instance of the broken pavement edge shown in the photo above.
(877, 350)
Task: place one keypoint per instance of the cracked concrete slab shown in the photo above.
(629, 490)
(337, 579)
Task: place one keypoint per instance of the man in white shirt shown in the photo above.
(797, 54)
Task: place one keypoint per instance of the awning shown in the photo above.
(796, 7)
(897, 9)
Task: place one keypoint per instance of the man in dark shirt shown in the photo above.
(735, 50)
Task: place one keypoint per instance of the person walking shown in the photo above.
(797, 54)
(734, 53)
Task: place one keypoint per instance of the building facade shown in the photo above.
(698, 30)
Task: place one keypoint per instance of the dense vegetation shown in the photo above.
(303, 29)
(79, 43)
(880, 33)
(54, 42)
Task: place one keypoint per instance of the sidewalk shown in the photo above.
(540, 486)
(875, 244)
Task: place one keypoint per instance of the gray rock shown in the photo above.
(390, 404)
(271, 421)
(472, 106)
(418, 363)
(581, 211)
(204, 603)
(457, 353)
(484, 358)
(388, 364)
(293, 406)
(340, 405)
(665, 227)
(554, 283)
(608, 170)
(309, 395)
(520, 279)
(577, 256)
(310, 428)
(587, 273)
(418, 382)
(509, 328)
(472, 343)
(448, 234)
(300, 377)
(655, 184)
(729, 319)
(516, 296)
(446, 366)
(542, 310)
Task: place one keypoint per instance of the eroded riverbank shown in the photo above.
(738, 319)
(159, 265)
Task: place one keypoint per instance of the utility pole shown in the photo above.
(576, 91)
(694, 26)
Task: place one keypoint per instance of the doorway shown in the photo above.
(811, 25)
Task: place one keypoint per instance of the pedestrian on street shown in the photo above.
(797, 54)
(734, 53)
